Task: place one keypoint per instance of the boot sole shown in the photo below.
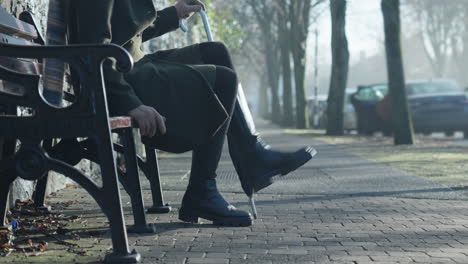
(259, 186)
(192, 217)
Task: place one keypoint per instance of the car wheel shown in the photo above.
(465, 134)
(449, 133)
(388, 133)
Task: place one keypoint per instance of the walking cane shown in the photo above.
(184, 28)
(204, 17)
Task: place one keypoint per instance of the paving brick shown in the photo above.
(207, 261)
(288, 252)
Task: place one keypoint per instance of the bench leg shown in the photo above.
(151, 172)
(112, 204)
(40, 193)
(4, 193)
(107, 197)
(7, 149)
(131, 179)
(41, 185)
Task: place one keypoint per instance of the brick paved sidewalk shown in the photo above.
(337, 209)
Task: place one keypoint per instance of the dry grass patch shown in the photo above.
(440, 159)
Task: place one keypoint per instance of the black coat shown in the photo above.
(178, 86)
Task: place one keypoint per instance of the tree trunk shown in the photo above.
(299, 16)
(273, 79)
(263, 106)
(402, 126)
(461, 52)
(288, 112)
(340, 67)
(302, 115)
(266, 16)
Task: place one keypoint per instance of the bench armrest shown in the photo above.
(91, 53)
(87, 59)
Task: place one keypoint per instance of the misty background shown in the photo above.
(364, 28)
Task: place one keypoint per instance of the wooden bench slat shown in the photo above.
(16, 27)
(11, 88)
(4, 38)
(54, 72)
(22, 66)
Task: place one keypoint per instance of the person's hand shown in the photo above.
(149, 120)
(185, 8)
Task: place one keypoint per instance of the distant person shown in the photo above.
(183, 99)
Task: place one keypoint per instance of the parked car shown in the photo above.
(365, 101)
(438, 105)
(321, 110)
(349, 114)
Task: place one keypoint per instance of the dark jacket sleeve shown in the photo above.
(166, 21)
(94, 26)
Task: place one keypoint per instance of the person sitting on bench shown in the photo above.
(183, 99)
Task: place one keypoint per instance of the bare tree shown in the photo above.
(300, 20)
(441, 26)
(460, 43)
(251, 55)
(293, 26)
(284, 30)
(266, 15)
(340, 67)
(285, 35)
(402, 126)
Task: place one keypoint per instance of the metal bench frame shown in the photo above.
(87, 117)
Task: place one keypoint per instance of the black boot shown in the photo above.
(255, 163)
(202, 199)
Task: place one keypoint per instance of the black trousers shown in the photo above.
(184, 103)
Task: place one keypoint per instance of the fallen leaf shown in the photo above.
(42, 247)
